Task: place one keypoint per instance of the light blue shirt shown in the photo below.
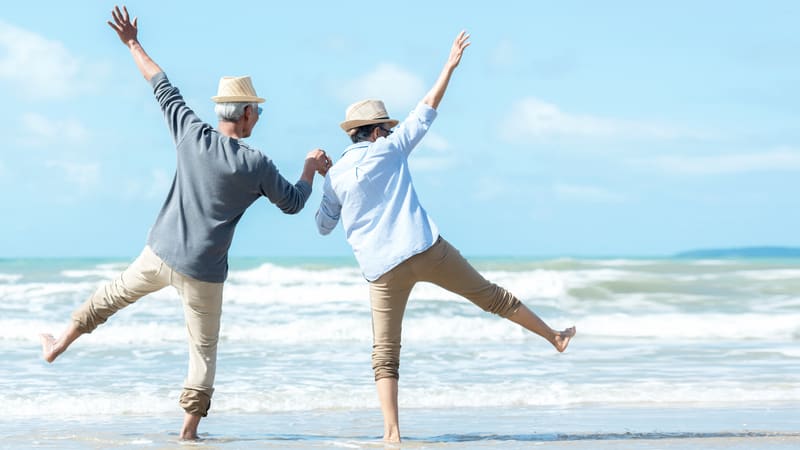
(371, 191)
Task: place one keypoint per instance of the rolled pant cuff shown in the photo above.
(196, 403)
(387, 371)
(511, 309)
(379, 376)
(80, 322)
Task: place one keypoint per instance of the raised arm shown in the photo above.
(434, 96)
(127, 32)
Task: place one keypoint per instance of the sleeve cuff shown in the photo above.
(304, 187)
(425, 112)
(157, 78)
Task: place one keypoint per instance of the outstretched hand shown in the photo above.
(126, 30)
(434, 96)
(459, 44)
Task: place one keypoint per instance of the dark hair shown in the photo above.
(362, 133)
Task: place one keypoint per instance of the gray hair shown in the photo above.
(232, 111)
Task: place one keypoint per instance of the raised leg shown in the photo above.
(531, 322)
(444, 266)
(143, 276)
(52, 347)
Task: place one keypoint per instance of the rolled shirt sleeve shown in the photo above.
(407, 135)
(329, 211)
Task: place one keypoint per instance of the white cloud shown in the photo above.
(778, 160)
(435, 142)
(531, 118)
(37, 129)
(86, 176)
(39, 67)
(399, 89)
(593, 194)
(433, 154)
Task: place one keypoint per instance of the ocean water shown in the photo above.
(670, 353)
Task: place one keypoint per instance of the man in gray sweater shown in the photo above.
(217, 178)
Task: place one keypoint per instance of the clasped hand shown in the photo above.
(319, 161)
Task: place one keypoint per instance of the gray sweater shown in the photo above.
(216, 179)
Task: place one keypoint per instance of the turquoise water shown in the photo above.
(667, 352)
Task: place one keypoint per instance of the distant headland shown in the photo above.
(743, 252)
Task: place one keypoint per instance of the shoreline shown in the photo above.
(575, 428)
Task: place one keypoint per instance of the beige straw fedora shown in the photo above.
(236, 90)
(366, 112)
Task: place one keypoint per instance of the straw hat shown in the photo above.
(236, 90)
(366, 112)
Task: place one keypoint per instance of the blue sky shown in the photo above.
(569, 129)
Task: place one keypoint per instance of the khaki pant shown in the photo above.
(202, 308)
(442, 265)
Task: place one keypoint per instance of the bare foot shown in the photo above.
(49, 352)
(189, 429)
(189, 436)
(391, 439)
(391, 431)
(561, 339)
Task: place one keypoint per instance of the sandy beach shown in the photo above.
(506, 428)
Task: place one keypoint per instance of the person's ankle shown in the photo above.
(190, 425)
(391, 433)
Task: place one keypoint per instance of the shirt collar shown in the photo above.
(362, 144)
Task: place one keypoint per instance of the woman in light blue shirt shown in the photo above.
(394, 241)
